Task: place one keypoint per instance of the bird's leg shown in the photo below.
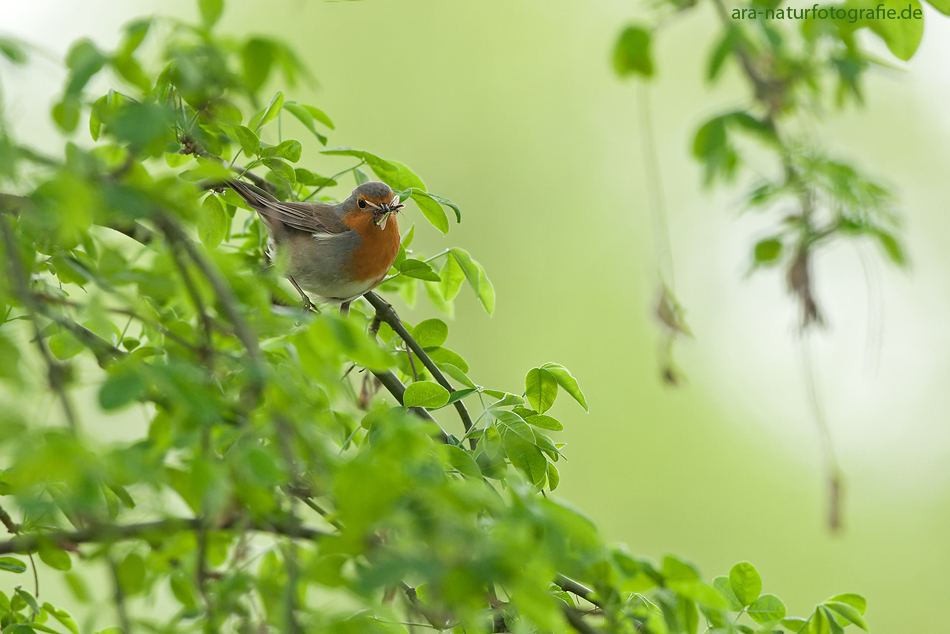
(344, 309)
(307, 304)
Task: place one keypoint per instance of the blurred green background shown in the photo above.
(510, 109)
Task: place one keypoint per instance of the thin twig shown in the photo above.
(119, 595)
(55, 371)
(12, 527)
(386, 313)
(106, 534)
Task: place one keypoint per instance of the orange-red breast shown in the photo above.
(338, 251)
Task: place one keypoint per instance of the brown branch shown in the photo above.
(577, 621)
(119, 596)
(569, 585)
(385, 312)
(5, 519)
(55, 371)
(397, 389)
(191, 146)
(157, 529)
(221, 288)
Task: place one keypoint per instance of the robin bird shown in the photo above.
(338, 252)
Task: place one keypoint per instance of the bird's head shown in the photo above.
(374, 198)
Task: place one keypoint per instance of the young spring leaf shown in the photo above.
(567, 382)
(212, 223)
(418, 269)
(767, 607)
(745, 582)
(425, 394)
(849, 612)
(210, 11)
(514, 423)
(527, 458)
(632, 54)
(305, 116)
(12, 564)
(249, 141)
(540, 389)
(273, 109)
(430, 333)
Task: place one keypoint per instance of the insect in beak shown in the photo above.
(382, 212)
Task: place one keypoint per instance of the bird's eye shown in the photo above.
(361, 203)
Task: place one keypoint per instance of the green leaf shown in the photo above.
(55, 557)
(63, 617)
(273, 109)
(848, 612)
(257, 57)
(767, 607)
(444, 355)
(282, 169)
(768, 251)
(891, 246)
(527, 458)
(678, 573)
(554, 478)
(66, 113)
(819, 622)
(124, 385)
(477, 279)
(289, 150)
(795, 624)
(632, 53)
(12, 564)
(12, 50)
(457, 374)
(83, 60)
(544, 422)
(458, 395)
(425, 394)
(249, 141)
(393, 173)
(514, 423)
(451, 277)
(131, 573)
(567, 381)
(505, 399)
(724, 587)
(28, 599)
(540, 389)
(447, 203)
(210, 11)
(183, 589)
(726, 46)
(430, 333)
(902, 35)
(212, 222)
(305, 116)
(461, 460)
(745, 582)
(418, 269)
(854, 600)
(432, 210)
(319, 115)
(943, 6)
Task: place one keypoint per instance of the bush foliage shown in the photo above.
(288, 480)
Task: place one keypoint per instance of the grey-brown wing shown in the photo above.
(309, 217)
